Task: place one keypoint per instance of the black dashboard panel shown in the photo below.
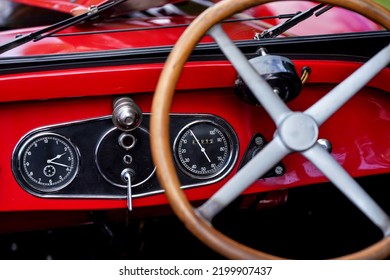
(86, 159)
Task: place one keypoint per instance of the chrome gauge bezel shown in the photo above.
(124, 148)
(21, 164)
(229, 160)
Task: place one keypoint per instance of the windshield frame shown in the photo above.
(337, 46)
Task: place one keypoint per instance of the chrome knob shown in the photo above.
(326, 144)
(126, 115)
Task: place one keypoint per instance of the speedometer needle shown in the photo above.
(201, 148)
(60, 164)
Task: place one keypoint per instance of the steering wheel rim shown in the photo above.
(161, 150)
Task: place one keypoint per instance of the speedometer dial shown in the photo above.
(203, 149)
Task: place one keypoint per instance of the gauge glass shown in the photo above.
(48, 162)
(203, 149)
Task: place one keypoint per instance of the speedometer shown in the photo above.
(204, 149)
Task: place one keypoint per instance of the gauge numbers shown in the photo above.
(203, 149)
(48, 162)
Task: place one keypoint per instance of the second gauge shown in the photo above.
(205, 149)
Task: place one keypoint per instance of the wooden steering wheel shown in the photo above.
(295, 132)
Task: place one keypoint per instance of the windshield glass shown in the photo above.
(157, 23)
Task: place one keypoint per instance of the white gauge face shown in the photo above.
(48, 162)
(203, 149)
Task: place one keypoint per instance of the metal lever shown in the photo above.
(126, 176)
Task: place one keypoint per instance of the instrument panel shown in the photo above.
(86, 159)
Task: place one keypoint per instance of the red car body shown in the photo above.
(75, 74)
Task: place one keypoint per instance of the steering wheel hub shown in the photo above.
(298, 131)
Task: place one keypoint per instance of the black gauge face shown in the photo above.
(48, 162)
(203, 149)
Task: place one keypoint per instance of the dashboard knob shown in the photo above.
(126, 115)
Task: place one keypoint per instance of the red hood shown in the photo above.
(66, 6)
(104, 38)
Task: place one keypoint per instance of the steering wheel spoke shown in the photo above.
(252, 171)
(271, 102)
(331, 102)
(347, 185)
